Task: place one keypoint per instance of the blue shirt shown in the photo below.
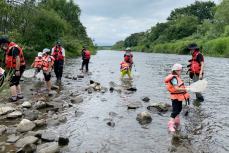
(174, 81)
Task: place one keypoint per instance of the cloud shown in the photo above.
(108, 21)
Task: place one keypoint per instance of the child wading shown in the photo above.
(178, 93)
(37, 64)
(125, 69)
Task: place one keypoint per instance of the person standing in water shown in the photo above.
(128, 57)
(196, 67)
(178, 93)
(86, 55)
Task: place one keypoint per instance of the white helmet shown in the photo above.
(39, 54)
(46, 50)
(177, 67)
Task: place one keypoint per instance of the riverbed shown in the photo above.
(204, 130)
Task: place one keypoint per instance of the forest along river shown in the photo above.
(205, 129)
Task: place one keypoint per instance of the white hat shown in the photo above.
(40, 54)
(128, 48)
(177, 67)
(46, 50)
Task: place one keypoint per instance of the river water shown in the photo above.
(204, 130)
(206, 127)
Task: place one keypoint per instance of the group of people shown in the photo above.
(14, 62)
(178, 91)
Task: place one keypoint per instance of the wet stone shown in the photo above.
(26, 104)
(40, 123)
(25, 125)
(160, 107)
(31, 114)
(51, 147)
(28, 148)
(145, 99)
(111, 123)
(14, 114)
(40, 105)
(80, 76)
(3, 129)
(144, 118)
(132, 89)
(6, 109)
(26, 140)
(49, 136)
(62, 141)
(134, 105)
(77, 99)
(12, 138)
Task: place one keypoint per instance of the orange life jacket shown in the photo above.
(195, 65)
(58, 54)
(10, 61)
(87, 54)
(38, 62)
(46, 63)
(124, 66)
(174, 94)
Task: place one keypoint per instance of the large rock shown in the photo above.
(25, 125)
(134, 105)
(77, 99)
(26, 140)
(14, 114)
(6, 109)
(28, 148)
(144, 118)
(12, 138)
(40, 105)
(49, 136)
(160, 107)
(51, 147)
(40, 123)
(3, 129)
(31, 114)
(26, 104)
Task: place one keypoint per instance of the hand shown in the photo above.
(17, 73)
(200, 76)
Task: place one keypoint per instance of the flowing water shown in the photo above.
(205, 129)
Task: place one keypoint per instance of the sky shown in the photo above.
(109, 21)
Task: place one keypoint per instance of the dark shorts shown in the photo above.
(15, 80)
(47, 76)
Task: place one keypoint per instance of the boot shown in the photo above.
(177, 121)
(171, 124)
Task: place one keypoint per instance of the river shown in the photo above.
(206, 128)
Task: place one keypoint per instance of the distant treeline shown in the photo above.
(204, 23)
(37, 25)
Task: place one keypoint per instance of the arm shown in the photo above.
(201, 70)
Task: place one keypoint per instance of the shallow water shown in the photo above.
(206, 129)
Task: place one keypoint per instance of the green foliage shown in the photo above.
(38, 25)
(202, 23)
(119, 45)
(133, 39)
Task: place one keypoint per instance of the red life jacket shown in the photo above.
(174, 94)
(46, 63)
(57, 53)
(87, 54)
(38, 62)
(10, 61)
(195, 65)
